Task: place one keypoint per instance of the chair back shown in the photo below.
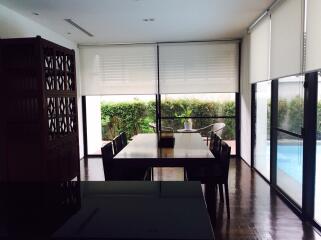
(215, 145)
(218, 128)
(225, 156)
(107, 154)
(153, 126)
(117, 144)
(123, 137)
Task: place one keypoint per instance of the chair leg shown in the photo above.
(227, 199)
(220, 187)
(210, 198)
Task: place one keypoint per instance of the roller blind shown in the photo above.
(118, 69)
(198, 67)
(260, 51)
(286, 39)
(313, 50)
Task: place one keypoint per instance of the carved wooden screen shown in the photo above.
(40, 135)
(60, 78)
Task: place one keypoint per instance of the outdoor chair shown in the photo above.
(217, 128)
(164, 129)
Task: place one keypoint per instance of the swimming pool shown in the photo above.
(290, 159)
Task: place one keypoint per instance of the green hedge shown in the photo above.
(290, 114)
(134, 117)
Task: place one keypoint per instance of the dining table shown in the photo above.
(104, 210)
(188, 150)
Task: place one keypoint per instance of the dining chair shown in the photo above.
(215, 145)
(123, 137)
(115, 173)
(107, 155)
(117, 144)
(217, 174)
(222, 178)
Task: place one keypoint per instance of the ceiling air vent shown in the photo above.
(70, 21)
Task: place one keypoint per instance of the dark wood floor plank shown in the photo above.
(256, 210)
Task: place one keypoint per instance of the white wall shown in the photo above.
(245, 90)
(94, 135)
(14, 25)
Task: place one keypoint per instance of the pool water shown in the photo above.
(290, 159)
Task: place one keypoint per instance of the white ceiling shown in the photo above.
(121, 21)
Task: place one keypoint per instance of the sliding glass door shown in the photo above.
(289, 158)
(262, 128)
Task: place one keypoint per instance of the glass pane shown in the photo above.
(132, 114)
(93, 117)
(290, 104)
(228, 133)
(317, 198)
(107, 116)
(262, 128)
(289, 165)
(199, 105)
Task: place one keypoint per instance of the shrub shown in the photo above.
(295, 115)
(134, 117)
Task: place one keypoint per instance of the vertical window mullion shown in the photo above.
(309, 143)
(273, 134)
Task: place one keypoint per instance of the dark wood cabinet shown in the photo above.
(39, 125)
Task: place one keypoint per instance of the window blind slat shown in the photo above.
(118, 69)
(198, 67)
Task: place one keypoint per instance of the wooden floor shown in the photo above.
(256, 210)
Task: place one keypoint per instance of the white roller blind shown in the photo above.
(286, 39)
(198, 67)
(313, 50)
(118, 69)
(260, 51)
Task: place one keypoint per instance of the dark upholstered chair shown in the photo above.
(222, 179)
(215, 145)
(117, 173)
(123, 137)
(117, 144)
(218, 174)
(107, 155)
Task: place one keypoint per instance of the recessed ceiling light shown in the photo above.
(35, 13)
(148, 19)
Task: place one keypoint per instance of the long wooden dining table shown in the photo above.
(189, 150)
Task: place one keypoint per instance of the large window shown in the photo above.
(121, 83)
(262, 128)
(107, 116)
(289, 138)
(201, 110)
